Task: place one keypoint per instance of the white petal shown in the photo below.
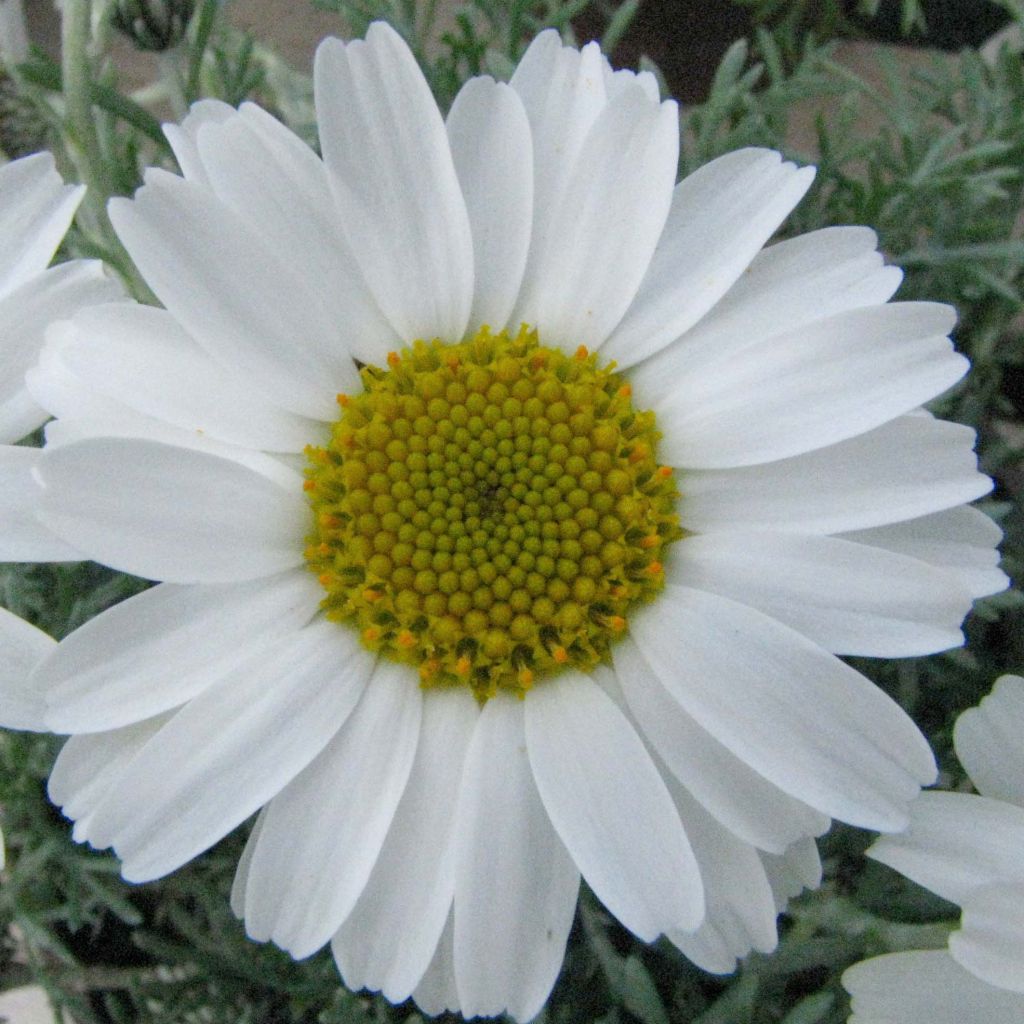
(324, 831)
(603, 231)
(721, 215)
(990, 943)
(788, 285)
(230, 750)
(394, 183)
(790, 873)
(796, 714)
(988, 741)
(388, 940)
(89, 768)
(141, 357)
(493, 154)
(24, 316)
(956, 843)
(908, 468)
(820, 384)
(268, 175)
(36, 210)
(745, 802)
(24, 538)
(515, 884)
(22, 647)
(849, 598)
(183, 137)
(436, 993)
(963, 541)
(62, 393)
(20, 414)
(171, 513)
(926, 987)
(164, 646)
(241, 879)
(623, 78)
(619, 825)
(740, 905)
(216, 274)
(563, 91)
(85, 412)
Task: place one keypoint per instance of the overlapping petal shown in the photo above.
(25, 314)
(159, 649)
(956, 843)
(848, 598)
(388, 940)
(813, 387)
(509, 938)
(217, 521)
(736, 795)
(24, 538)
(307, 872)
(926, 987)
(801, 718)
(492, 149)
(988, 742)
(585, 272)
(142, 358)
(230, 750)
(620, 827)
(396, 190)
(990, 941)
(216, 274)
(906, 469)
(720, 217)
(35, 213)
(23, 647)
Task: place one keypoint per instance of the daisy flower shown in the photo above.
(510, 508)
(966, 849)
(36, 210)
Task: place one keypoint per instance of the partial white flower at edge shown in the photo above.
(36, 210)
(437, 841)
(969, 850)
(22, 647)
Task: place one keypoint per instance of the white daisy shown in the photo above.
(966, 849)
(519, 657)
(36, 209)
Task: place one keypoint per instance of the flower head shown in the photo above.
(510, 507)
(966, 849)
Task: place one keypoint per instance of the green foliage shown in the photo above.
(791, 22)
(933, 159)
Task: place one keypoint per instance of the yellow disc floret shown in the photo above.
(489, 512)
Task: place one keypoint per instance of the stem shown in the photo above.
(85, 143)
(171, 79)
(47, 75)
(204, 26)
(78, 101)
(13, 34)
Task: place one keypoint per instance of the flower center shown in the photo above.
(489, 512)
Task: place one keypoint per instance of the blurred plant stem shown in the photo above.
(13, 33)
(84, 143)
